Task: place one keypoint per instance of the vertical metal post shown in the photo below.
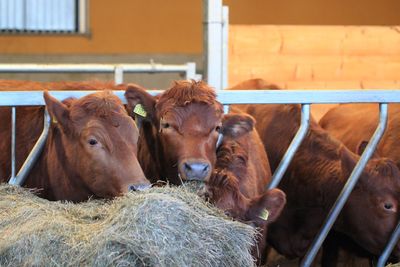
(34, 154)
(294, 145)
(389, 247)
(348, 187)
(191, 71)
(226, 109)
(225, 37)
(212, 42)
(118, 74)
(13, 134)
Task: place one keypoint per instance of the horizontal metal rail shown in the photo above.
(227, 97)
(348, 187)
(189, 69)
(104, 68)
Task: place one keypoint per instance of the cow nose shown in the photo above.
(196, 170)
(139, 187)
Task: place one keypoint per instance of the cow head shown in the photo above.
(372, 211)
(223, 190)
(186, 119)
(98, 141)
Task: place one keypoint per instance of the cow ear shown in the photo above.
(267, 206)
(58, 111)
(235, 125)
(136, 95)
(361, 147)
(348, 161)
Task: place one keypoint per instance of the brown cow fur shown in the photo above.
(15, 85)
(238, 184)
(314, 179)
(182, 125)
(90, 150)
(354, 124)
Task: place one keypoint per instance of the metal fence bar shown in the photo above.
(226, 109)
(102, 68)
(348, 187)
(227, 97)
(191, 71)
(13, 134)
(118, 74)
(307, 96)
(33, 155)
(29, 98)
(294, 145)
(389, 247)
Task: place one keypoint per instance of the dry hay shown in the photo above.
(167, 226)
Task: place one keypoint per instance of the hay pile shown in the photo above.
(161, 227)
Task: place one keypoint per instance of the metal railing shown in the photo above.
(304, 98)
(189, 69)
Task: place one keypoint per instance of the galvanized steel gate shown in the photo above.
(305, 98)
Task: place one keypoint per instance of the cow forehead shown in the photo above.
(383, 177)
(99, 104)
(197, 115)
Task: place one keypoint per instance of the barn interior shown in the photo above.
(297, 45)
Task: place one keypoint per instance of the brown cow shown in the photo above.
(180, 132)
(90, 150)
(354, 125)
(314, 179)
(239, 180)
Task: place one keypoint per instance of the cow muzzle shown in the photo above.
(195, 170)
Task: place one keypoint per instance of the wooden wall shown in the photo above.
(316, 57)
(323, 57)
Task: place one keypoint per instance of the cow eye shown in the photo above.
(388, 206)
(218, 128)
(165, 125)
(92, 142)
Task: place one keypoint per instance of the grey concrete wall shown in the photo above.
(152, 81)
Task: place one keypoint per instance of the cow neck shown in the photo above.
(53, 174)
(317, 165)
(148, 154)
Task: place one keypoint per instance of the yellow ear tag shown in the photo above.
(54, 120)
(264, 215)
(139, 110)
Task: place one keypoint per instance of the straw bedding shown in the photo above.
(168, 226)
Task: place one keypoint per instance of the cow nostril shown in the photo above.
(132, 188)
(206, 168)
(187, 166)
(139, 187)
